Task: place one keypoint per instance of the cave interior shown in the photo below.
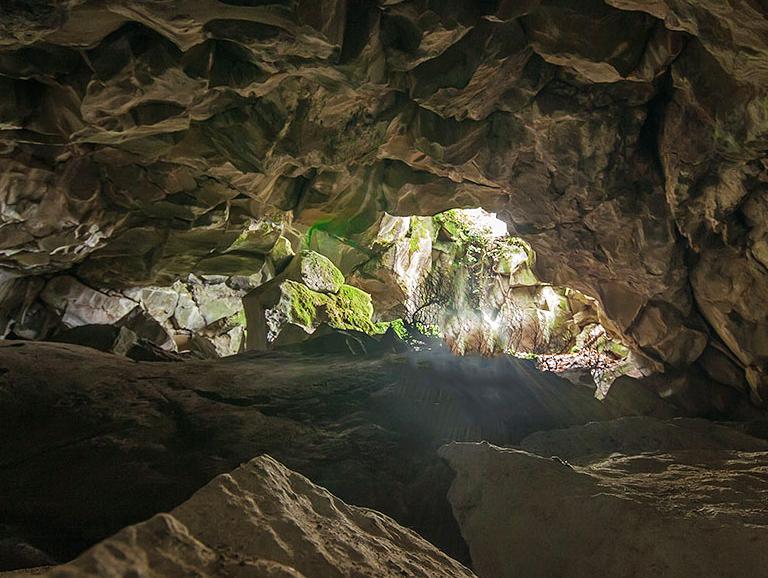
(350, 288)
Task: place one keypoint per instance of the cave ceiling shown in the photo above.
(624, 139)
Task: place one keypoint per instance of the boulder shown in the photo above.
(684, 499)
(308, 293)
(633, 435)
(117, 339)
(263, 519)
(79, 304)
(109, 338)
(159, 302)
(187, 313)
(216, 301)
(147, 328)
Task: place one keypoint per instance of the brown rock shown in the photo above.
(264, 520)
(698, 511)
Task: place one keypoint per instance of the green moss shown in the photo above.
(303, 304)
(350, 308)
(398, 326)
(429, 330)
(421, 228)
(281, 250)
(238, 319)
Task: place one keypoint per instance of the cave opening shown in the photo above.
(456, 280)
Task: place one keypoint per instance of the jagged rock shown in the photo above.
(159, 302)
(309, 292)
(147, 328)
(685, 513)
(110, 338)
(20, 312)
(117, 339)
(264, 520)
(110, 442)
(216, 302)
(187, 313)
(201, 347)
(686, 504)
(81, 305)
(635, 435)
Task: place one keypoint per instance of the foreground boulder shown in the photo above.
(693, 507)
(264, 520)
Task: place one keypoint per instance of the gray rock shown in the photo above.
(187, 313)
(264, 520)
(697, 510)
(81, 305)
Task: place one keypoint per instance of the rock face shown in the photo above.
(624, 139)
(110, 442)
(677, 499)
(264, 520)
(195, 315)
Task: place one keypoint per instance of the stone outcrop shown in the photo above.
(202, 316)
(264, 520)
(93, 442)
(624, 498)
(624, 139)
(310, 292)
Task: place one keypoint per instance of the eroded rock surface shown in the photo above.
(624, 139)
(264, 520)
(109, 442)
(626, 498)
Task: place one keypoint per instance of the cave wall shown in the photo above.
(624, 139)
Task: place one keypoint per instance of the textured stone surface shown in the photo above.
(264, 520)
(673, 512)
(110, 442)
(310, 292)
(624, 139)
(80, 305)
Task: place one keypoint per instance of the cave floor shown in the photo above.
(93, 442)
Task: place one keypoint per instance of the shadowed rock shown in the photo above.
(673, 499)
(264, 520)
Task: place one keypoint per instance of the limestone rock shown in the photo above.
(111, 338)
(635, 435)
(159, 302)
(216, 302)
(117, 339)
(318, 273)
(264, 520)
(81, 305)
(187, 313)
(309, 292)
(697, 509)
(147, 327)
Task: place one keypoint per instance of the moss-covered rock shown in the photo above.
(318, 273)
(309, 293)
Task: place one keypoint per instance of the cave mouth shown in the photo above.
(456, 280)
